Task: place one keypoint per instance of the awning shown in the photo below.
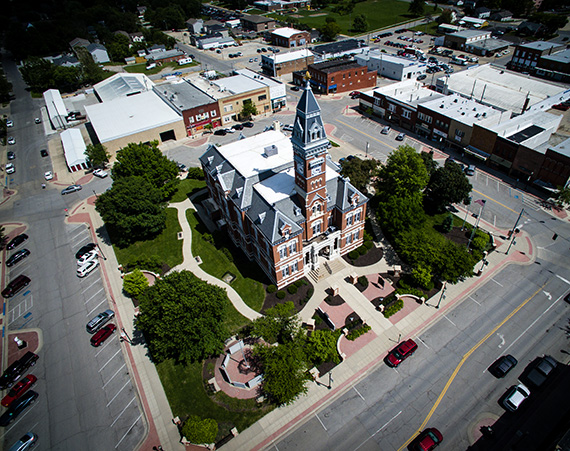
(477, 153)
(506, 163)
(547, 186)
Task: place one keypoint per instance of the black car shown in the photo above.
(221, 132)
(422, 77)
(16, 241)
(502, 366)
(87, 248)
(295, 88)
(11, 155)
(15, 371)
(19, 255)
(248, 124)
(238, 126)
(17, 407)
(44, 153)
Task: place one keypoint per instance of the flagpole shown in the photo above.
(482, 202)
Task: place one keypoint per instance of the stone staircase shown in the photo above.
(328, 268)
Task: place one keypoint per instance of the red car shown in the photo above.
(401, 353)
(103, 334)
(429, 439)
(19, 389)
(561, 107)
(354, 94)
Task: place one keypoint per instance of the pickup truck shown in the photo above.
(540, 370)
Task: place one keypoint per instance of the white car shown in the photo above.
(100, 173)
(11, 140)
(84, 270)
(9, 123)
(230, 130)
(515, 396)
(48, 175)
(10, 168)
(86, 258)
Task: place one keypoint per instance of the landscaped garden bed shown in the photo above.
(299, 293)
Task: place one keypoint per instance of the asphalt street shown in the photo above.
(87, 400)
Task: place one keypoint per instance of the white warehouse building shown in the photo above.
(391, 66)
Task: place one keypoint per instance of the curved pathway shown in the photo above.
(189, 263)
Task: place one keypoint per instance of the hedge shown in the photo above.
(292, 289)
(362, 250)
(368, 245)
(271, 289)
(354, 334)
(363, 280)
(353, 255)
(281, 294)
(394, 308)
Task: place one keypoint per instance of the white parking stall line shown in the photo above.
(116, 372)
(105, 345)
(563, 279)
(81, 231)
(129, 430)
(123, 411)
(496, 282)
(22, 417)
(120, 390)
(470, 297)
(322, 424)
(358, 393)
(383, 426)
(109, 361)
(96, 307)
(100, 289)
(12, 313)
(445, 316)
(85, 289)
(423, 342)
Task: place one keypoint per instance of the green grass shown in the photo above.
(186, 188)
(430, 28)
(166, 246)
(141, 68)
(186, 394)
(379, 14)
(217, 264)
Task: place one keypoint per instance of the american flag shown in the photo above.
(480, 202)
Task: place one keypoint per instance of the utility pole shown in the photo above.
(513, 231)
(482, 202)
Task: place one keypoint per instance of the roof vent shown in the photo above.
(484, 114)
(442, 106)
(239, 191)
(262, 217)
(270, 150)
(463, 114)
(455, 101)
(210, 160)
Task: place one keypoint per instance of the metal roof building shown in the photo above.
(74, 149)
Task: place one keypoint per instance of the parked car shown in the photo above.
(502, 366)
(100, 173)
(470, 170)
(355, 94)
(540, 369)
(15, 286)
(48, 175)
(71, 189)
(427, 440)
(84, 250)
(18, 407)
(16, 241)
(295, 88)
(87, 268)
(102, 335)
(561, 107)
(44, 153)
(400, 137)
(11, 155)
(37, 120)
(99, 321)
(288, 128)
(15, 371)
(515, 396)
(11, 140)
(386, 130)
(10, 168)
(230, 130)
(221, 132)
(9, 123)
(17, 256)
(422, 77)
(27, 441)
(182, 167)
(248, 124)
(86, 258)
(401, 353)
(19, 389)
(237, 126)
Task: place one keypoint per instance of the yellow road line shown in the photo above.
(462, 361)
(496, 201)
(365, 134)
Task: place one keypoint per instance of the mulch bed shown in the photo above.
(352, 318)
(374, 255)
(334, 300)
(298, 299)
(458, 236)
(324, 368)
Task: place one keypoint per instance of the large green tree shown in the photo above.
(248, 110)
(37, 73)
(360, 24)
(447, 185)
(330, 29)
(97, 154)
(404, 174)
(563, 195)
(183, 317)
(417, 7)
(360, 171)
(135, 283)
(132, 210)
(148, 162)
(278, 325)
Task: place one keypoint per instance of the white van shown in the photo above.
(150, 66)
(183, 61)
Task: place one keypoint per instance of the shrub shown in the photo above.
(135, 283)
(300, 282)
(309, 295)
(362, 250)
(195, 173)
(480, 240)
(281, 294)
(355, 333)
(208, 238)
(353, 255)
(151, 263)
(394, 308)
(271, 289)
(367, 236)
(292, 289)
(200, 431)
(447, 224)
(363, 280)
(421, 275)
(368, 245)
(410, 290)
(227, 253)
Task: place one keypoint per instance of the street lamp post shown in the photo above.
(330, 380)
(442, 294)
